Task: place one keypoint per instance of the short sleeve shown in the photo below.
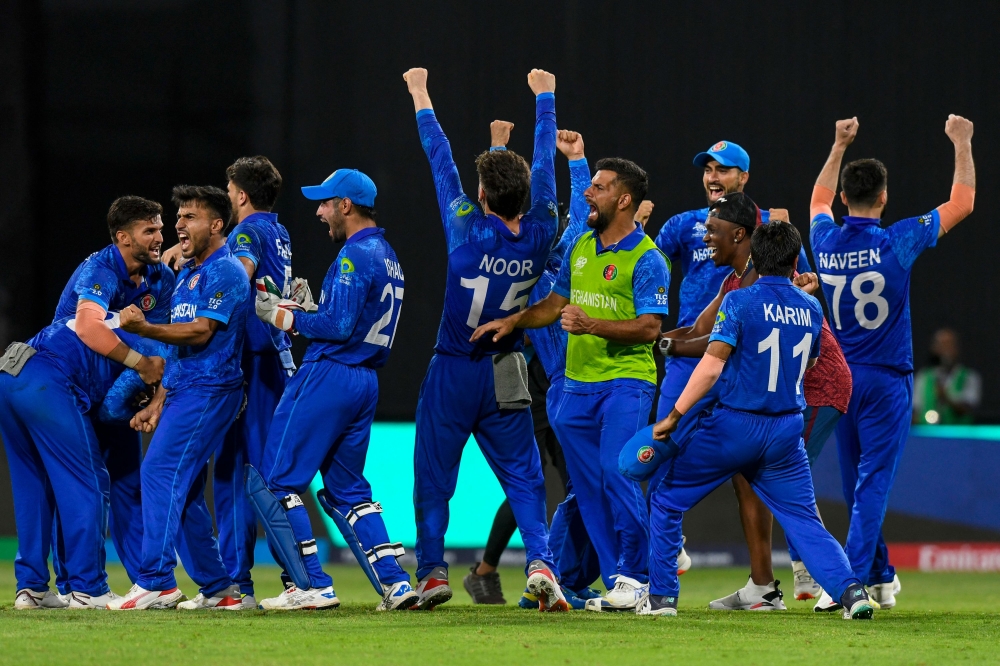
(651, 284)
(245, 242)
(563, 279)
(97, 283)
(727, 322)
(908, 238)
(223, 292)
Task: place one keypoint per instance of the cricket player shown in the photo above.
(611, 293)
(324, 419)
(191, 411)
(128, 271)
(495, 257)
(50, 391)
(262, 246)
(765, 337)
(865, 273)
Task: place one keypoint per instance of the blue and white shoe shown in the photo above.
(856, 603)
(528, 601)
(316, 598)
(657, 604)
(624, 596)
(398, 596)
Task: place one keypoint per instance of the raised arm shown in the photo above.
(826, 183)
(963, 188)
(570, 144)
(543, 163)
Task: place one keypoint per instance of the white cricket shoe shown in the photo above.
(398, 596)
(30, 600)
(433, 590)
(315, 598)
(625, 595)
(543, 584)
(826, 604)
(227, 599)
(752, 597)
(885, 593)
(81, 601)
(655, 604)
(683, 559)
(249, 602)
(139, 598)
(805, 586)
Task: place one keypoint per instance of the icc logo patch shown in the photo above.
(464, 209)
(193, 282)
(147, 303)
(610, 272)
(719, 147)
(645, 454)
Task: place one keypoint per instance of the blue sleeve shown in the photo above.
(97, 283)
(543, 163)
(803, 265)
(651, 284)
(579, 210)
(244, 241)
(160, 314)
(669, 237)
(224, 291)
(118, 405)
(727, 322)
(345, 292)
(455, 206)
(562, 284)
(908, 238)
(819, 227)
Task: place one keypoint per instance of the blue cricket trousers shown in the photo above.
(678, 373)
(818, 423)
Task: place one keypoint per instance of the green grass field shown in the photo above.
(941, 618)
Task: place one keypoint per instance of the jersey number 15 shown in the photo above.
(513, 299)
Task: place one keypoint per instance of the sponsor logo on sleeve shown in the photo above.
(346, 265)
(464, 209)
(242, 239)
(926, 219)
(215, 301)
(96, 289)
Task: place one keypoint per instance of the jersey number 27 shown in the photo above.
(375, 335)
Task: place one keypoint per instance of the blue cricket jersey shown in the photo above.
(103, 278)
(681, 238)
(216, 289)
(865, 273)
(264, 241)
(550, 342)
(490, 270)
(774, 329)
(359, 306)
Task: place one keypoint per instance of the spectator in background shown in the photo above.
(945, 392)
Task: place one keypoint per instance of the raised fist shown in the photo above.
(539, 80)
(500, 132)
(778, 214)
(570, 144)
(644, 211)
(416, 79)
(846, 131)
(958, 129)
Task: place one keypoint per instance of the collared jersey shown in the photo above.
(550, 341)
(681, 239)
(215, 289)
(491, 270)
(774, 329)
(620, 282)
(103, 278)
(865, 273)
(359, 306)
(264, 241)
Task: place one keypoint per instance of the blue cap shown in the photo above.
(725, 153)
(344, 184)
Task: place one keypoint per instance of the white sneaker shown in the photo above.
(249, 602)
(433, 590)
(398, 596)
(543, 584)
(139, 598)
(683, 560)
(752, 597)
(30, 600)
(228, 599)
(626, 593)
(315, 598)
(81, 601)
(805, 586)
(826, 604)
(885, 593)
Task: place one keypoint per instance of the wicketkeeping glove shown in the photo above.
(272, 308)
(301, 294)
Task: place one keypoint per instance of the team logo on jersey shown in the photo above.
(193, 282)
(346, 265)
(242, 239)
(926, 219)
(464, 209)
(610, 272)
(719, 147)
(646, 454)
(147, 303)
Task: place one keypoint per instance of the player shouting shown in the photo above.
(194, 407)
(611, 293)
(324, 419)
(865, 271)
(764, 338)
(495, 256)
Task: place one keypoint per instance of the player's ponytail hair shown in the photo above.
(774, 248)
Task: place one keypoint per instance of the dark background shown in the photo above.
(102, 98)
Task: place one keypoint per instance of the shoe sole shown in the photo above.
(666, 612)
(544, 588)
(805, 596)
(298, 608)
(862, 611)
(601, 605)
(441, 594)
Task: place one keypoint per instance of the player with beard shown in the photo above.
(611, 292)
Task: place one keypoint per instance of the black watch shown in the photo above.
(666, 346)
